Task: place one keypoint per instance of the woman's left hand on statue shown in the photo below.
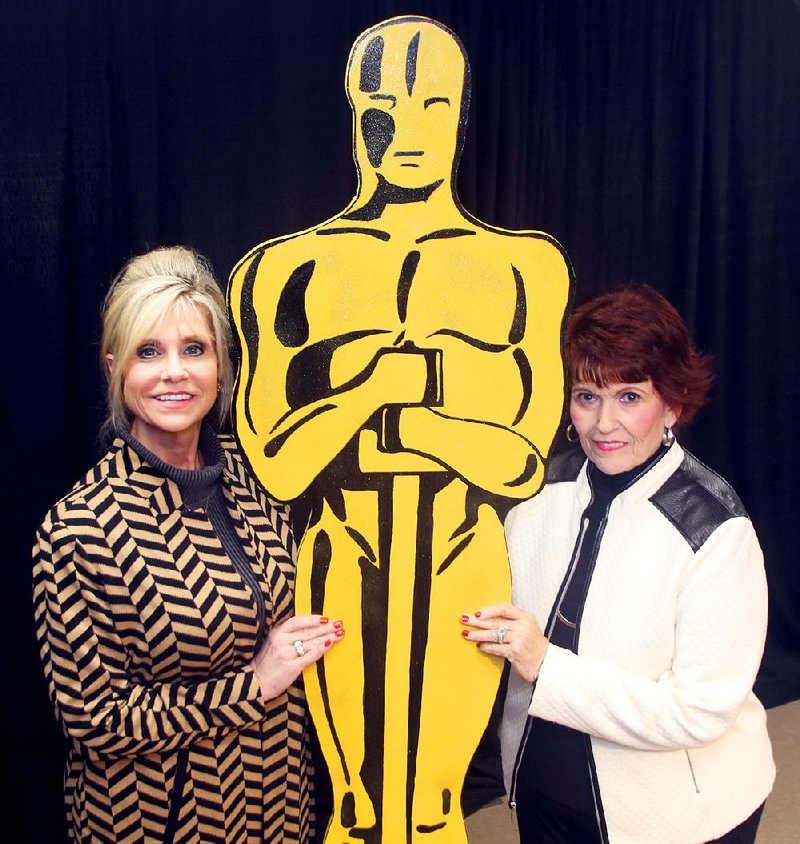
(291, 646)
(507, 631)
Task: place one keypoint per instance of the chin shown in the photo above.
(613, 465)
(410, 178)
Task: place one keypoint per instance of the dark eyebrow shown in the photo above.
(432, 100)
(411, 63)
(390, 97)
(371, 65)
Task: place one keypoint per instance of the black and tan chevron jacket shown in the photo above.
(146, 632)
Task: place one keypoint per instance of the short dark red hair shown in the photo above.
(633, 334)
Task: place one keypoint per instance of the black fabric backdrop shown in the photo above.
(658, 141)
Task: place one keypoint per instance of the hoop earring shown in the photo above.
(667, 438)
(571, 433)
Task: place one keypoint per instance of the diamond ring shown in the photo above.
(501, 635)
(299, 647)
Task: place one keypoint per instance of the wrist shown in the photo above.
(540, 660)
(262, 689)
(413, 424)
(390, 430)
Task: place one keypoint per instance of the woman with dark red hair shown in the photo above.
(640, 609)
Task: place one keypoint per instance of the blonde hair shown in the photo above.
(171, 281)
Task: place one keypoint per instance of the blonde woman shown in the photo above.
(163, 586)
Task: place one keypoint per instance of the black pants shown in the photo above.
(545, 821)
(745, 833)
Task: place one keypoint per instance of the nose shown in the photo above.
(606, 417)
(174, 370)
(406, 130)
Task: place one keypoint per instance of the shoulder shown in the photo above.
(94, 484)
(565, 466)
(537, 256)
(238, 466)
(538, 240)
(76, 515)
(697, 501)
(230, 447)
(546, 507)
(288, 248)
(235, 460)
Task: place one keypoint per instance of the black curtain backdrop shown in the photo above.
(659, 141)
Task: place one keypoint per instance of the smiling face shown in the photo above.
(620, 425)
(405, 82)
(170, 381)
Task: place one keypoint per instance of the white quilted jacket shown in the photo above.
(671, 637)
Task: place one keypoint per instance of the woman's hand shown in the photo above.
(290, 647)
(507, 631)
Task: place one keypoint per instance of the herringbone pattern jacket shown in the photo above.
(146, 632)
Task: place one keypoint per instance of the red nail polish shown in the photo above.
(323, 620)
(327, 643)
(337, 624)
(465, 633)
(465, 618)
(340, 633)
(477, 614)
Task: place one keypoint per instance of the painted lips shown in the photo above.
(608, 445)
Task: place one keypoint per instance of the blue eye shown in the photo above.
(147, 352)
(195, 349)
(582, 397)
(630, 397)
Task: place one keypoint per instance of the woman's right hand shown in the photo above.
(279, 663)
(507, 631)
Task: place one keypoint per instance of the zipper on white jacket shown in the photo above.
(691, 771)
(564, 586)
(595, 788)
(576, 554)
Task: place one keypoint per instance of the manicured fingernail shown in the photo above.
(337, 624)
(478, 614)
(465, 618)
(340, 633)
(323, 620)
(465, 634)
(327, 643)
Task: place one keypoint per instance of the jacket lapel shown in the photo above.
(261, 543)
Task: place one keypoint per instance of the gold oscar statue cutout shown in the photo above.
(403, 361)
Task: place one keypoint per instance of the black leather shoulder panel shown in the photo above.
(696, 500)
(565, 466)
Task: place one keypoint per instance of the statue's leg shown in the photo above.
(404, 552)
(460, 684)
(329, 582)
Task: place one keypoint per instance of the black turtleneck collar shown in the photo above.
(608, 486)
(196, 485)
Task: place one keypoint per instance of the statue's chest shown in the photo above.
(420, 290)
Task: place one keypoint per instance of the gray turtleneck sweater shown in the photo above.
(201, 489)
